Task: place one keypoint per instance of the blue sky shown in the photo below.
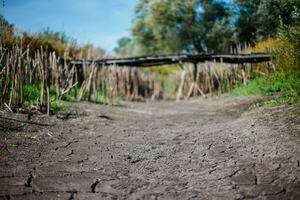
(100, 22)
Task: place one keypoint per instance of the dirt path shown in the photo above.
(198, 149)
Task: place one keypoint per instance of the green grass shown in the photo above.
(287, 85)
(99, 97)
(57, 106)
(71, 95)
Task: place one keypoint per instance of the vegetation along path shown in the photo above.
(196, 149)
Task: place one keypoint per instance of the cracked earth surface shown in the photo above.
(197, 149)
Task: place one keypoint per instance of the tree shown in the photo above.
(247, 21)
(260, 19)
(6, 32)
(277, 13)
(155, 28)
(125, 47)
(4, 23)
(175, 26)
(215, 26)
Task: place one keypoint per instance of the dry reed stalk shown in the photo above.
(128, 83)
(134, 95)
(110, 84)
(4, 80)
(86, 85)
(62, 76)
(43, 68)
(14, 63)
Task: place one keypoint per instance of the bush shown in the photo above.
(285, 80)
(31, 93)
(287, 85)
(57, 106)
(71, 95)
(282, 51)
(292, 34)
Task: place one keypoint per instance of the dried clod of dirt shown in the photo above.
(72, 194)
(94, 185)
(105, 117)
(29, 181)
(67, 115)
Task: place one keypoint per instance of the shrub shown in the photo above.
(282, 51)
(71, 95)
(31, 93)
(287, 85)
(285, 80)
(57, 106)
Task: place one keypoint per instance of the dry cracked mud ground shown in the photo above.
(197, 149)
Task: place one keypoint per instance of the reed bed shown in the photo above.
(18, 69)
(106, 84)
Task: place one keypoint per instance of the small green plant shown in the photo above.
(57, 106)
(31, 93)
(250, 138)
(99, 97)
(36, 138)
(70, 96)
(52, 92)
(12, 145)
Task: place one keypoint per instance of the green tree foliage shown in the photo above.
(247, 23)
(217, 33)
(125, 47)
(275, 13)
(6, 31)
(4, 23)
(175, 26)
(156, 26)
(260, 19)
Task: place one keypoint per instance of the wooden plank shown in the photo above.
(150, 61)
